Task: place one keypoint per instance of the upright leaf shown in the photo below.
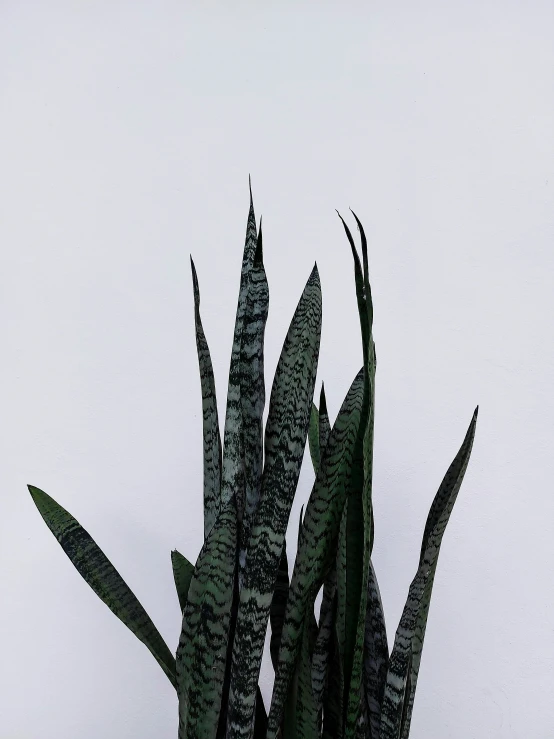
(183, 571)
(202, 650)
(285, 439)
(233, 481)
(376, 653)
(94, 567)
(320, 530)
(406, 654)
(278, 606)
(210, 421)
(313, 437)
(252, 391)
(324, 425)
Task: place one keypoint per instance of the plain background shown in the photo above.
(127, 133)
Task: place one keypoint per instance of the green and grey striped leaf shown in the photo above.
(252, 391)
(334, 692)
(320, 530)
(202, 650)
(324, 425)
(278, 606)
(94, 567)
(285, 439)
(306, 719)
(210, 421)
(313, 437)
(233, 481)
(376, 653)
(322, 648)
(183, 571)
(405, 659)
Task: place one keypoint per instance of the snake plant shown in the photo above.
(334, 675)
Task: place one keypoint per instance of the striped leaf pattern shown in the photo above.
(183, 571)
(321, 523)
(406, 654)
(94, 567)
(252, 390)
(202, 650)
(233, 482)
(376, 653)
(285, 439)
(210, 421)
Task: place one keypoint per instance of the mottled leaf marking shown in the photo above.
(183, 571)
(405, 658)
(94, 567)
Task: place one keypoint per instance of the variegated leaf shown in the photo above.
(252, 392)
(202, 650)
(183, 571)
(210, 421)
(405, 659)
(94, 567)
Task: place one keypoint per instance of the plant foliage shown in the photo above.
(334, 675)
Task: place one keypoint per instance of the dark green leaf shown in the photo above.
(405, 659)
(210, 421)
(183, 571)
(278, 605)
(202, 650)
(313, 437)
(93, 565)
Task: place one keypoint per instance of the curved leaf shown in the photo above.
(406, 654)
(94, 567)
(210, 421)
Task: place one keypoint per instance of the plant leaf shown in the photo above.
(285, 439)
(324, 425)
(183, 571)
(210, 421)
(376, 653)
(313, 437)
(320, 530)
(202, 650)
(252, 393)
(322, 646)
(405, 659)
(278, 605)
(233, 481)
(94, 567)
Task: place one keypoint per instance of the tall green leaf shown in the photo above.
(183, 571)
(233, 480)
(313, 437)
(320, 530)
(94, 567)
(210, 421)
(278, 606)
(376, 653)
(252, 392)
(285, 439)
(406, 654)
(202, 650)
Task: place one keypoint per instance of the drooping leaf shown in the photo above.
(252, 393)
(202, 650)
(285, 439)
(94, 567)
(183, 571)
(405, 658)
(210, 421)
(320, 530)
(233, 480)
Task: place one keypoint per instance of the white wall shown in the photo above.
(127, 133)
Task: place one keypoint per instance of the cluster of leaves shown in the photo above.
(334, 676)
